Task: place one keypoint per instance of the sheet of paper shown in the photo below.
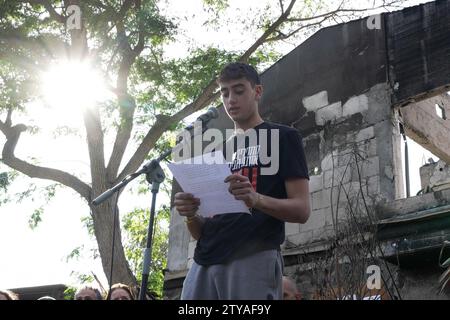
(205, 181)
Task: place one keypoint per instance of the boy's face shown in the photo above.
(240, 99)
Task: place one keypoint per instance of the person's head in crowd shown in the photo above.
(88, 293)
(46, 298)
(290, 290)
(8, 295)
(120, 291)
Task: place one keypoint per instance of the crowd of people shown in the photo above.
(120, 291)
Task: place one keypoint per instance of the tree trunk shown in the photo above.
(103, 217)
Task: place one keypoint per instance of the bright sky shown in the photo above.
(37, 257)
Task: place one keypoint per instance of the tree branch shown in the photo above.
(47, 5)
(56, 16)
(339, 10)
(16, 46)
(12, 134)
(79, 45)
(129, 54)
(24, 62)
(127, 103)
(281, 6)
(149, 141)
(274, 26)
(282, 36)
(126, 5)
(8, 120)
(94, 134)
(127, 107)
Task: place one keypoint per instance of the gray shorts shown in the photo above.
(255, 277)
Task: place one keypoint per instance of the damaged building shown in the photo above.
(355, 92)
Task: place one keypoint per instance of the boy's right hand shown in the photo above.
(186, 204)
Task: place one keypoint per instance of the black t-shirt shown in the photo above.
(226, 237)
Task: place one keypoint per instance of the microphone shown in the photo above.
(212, 113)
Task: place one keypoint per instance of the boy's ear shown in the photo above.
(258, 91)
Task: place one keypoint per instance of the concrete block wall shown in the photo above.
(435, 175)
(179, 242)
(363, 124)
(191, 248)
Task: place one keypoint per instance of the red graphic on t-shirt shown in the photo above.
(254, 177)
(245, 161)
(245, 173)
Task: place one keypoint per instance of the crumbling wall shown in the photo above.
(419, 51)
(424, 126)
(435, 176)
(362, 129)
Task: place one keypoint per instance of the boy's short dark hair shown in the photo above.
(239, 70)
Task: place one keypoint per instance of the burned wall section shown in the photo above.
(419, 51)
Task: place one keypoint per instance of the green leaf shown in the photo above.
(88, 223)
(35, 218)
(4, 181)
(69, 293)
(135, 225)
(49, 192)
(75, 253)
(85, 278)
(27, 193)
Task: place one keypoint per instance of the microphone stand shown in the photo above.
(154, 175)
